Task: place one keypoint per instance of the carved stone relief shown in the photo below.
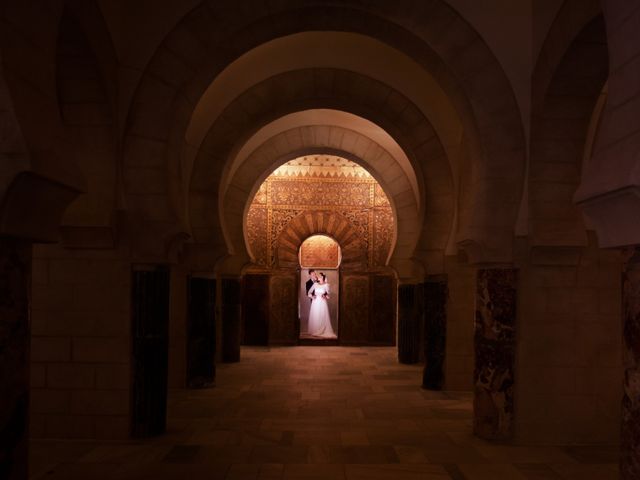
(354, 312)
(319, 251)
(346, 189)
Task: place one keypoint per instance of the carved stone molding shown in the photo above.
(354, 252)
(615, 216)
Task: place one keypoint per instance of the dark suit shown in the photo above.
(309, 284)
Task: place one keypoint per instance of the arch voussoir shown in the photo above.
(308, 223)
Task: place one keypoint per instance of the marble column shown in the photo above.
(15, 273)
(231, 319)
(494, 353)
(435, 332)
(410, 318)
(630, 431)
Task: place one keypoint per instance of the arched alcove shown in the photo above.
(168, 123)
(320, 251)
(323, 194)
(400, 118)
(310, 196)
(319, 259)
(467, 90)
(316, 222)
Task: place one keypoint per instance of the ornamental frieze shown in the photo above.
(354, 194)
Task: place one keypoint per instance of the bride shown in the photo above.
(319, 319)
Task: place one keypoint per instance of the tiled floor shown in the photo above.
(317, 413)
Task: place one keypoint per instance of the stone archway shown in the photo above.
(438, 204)
(609, 196)
(495, 136)
(337, 89)
(608, 192)
(367, 298)
(318, 222)
(566, 88)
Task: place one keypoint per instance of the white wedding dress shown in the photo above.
(319, 319)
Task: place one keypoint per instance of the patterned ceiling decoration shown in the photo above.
(321, 166)
(319, 251)
(320, 182)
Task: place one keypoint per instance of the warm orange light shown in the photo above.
(319, 251)
(319, 182)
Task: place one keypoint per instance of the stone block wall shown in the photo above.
(80, 355)
(568, 358)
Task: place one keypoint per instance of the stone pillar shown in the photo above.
(435, 331)
(231, 319)
(15, 274)
(494, 353)
(410, 319)
(630, 431)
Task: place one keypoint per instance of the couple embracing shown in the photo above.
(319, 319)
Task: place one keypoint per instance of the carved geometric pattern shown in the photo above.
(319, 251)
(325, 192)
(381, 199)
(383, 235)
(360, 221)
(278, 219)
(312, 222)
(261, 195)
(256, 228)
(358, 199)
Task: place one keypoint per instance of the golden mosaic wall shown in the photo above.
(319, 251)
(320, 182)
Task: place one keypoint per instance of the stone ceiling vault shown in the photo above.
(455, 83)
(339, 89)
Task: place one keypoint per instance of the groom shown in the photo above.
(313, 278)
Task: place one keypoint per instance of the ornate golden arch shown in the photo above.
(314, 222)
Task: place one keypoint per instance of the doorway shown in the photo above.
(319, 258)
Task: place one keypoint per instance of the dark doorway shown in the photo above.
(150, 349)
(201, 333)
(382, 325)
(255, 309)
